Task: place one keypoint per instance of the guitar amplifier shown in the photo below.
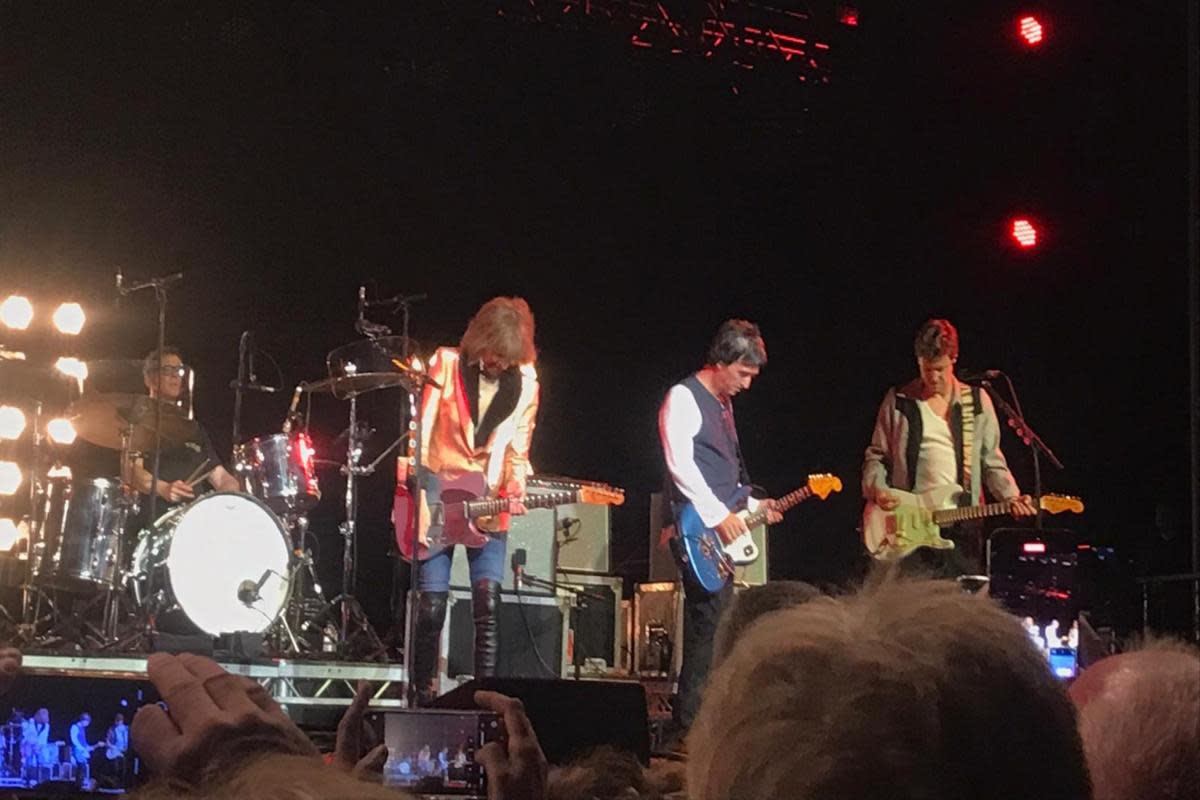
(584, 536)
(533, 533)
(662, 565)
(531, 626)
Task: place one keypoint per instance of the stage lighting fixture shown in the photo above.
(10, 477)
(1029, 28)
(16, 312)
(10, 534)
(69, 318)
(1024, 233)
(72, 367)
(12, 422)
(60, 431)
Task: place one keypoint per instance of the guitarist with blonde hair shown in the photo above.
(937, 432)
(477, 426)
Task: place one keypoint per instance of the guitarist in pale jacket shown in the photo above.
(704, 463)
(480, 420)
(918, 445)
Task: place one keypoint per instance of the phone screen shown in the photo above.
(1062, 662)
(70, 734)
(433, 751)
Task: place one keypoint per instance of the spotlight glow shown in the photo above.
(10, 477)
(1024, 233)
(60, 431)
(69, 318)
(16, 312)
(10, 534)
(72, 368)
(12, 422)
(1030, 29)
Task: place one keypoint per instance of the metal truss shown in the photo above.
(747, 34)
(291, 683)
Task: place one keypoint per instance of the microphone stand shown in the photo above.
(159, 284)
(1027, 434)
(239, 389)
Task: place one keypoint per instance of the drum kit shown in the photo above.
(225, 563)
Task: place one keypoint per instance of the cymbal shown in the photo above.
(353, 385)
(103, 419)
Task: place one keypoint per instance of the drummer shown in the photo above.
(180, 462)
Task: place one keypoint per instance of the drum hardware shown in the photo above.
(398, 354)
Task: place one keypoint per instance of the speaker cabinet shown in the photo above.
(597, 640)
(533, 533)
(531, 626)
(584, 537)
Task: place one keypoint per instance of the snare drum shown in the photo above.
(80, 547)
(279, 470)
(222, 560)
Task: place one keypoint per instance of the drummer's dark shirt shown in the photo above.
(88, 461)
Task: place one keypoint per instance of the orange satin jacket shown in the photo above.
(448, 432)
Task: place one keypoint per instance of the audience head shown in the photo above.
(602, 774)
(749, 605)
(908, 689)
(276, 777)
(1139, 718)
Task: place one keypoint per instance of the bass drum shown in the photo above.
(222, 560)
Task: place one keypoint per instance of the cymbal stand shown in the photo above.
(159, 284)
(351, 610)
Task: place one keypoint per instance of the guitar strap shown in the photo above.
(731, 428)
(966, 400)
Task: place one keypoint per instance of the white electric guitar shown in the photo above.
(919, 519)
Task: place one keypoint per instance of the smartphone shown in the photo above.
(69, 734)
(1063, 662)
(432, 751)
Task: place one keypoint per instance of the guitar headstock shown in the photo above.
(823, 484)
(1058, 503)
(601, 494)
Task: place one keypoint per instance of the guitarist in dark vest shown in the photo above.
(477, 427)
(704, 463)
(919, 445)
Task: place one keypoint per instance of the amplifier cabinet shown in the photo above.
(584, 538)
(533, 533)
(597, 624)
(526, 622)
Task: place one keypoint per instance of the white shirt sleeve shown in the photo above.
(679, 421)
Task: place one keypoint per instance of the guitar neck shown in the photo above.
(950, 516)
(782, 504)
(490, 507)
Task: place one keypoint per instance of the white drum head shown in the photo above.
(222, 541)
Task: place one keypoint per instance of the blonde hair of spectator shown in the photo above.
(906, 689)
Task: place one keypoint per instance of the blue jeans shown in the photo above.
(486, 564)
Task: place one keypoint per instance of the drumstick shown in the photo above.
(196, 472)
(197, 481)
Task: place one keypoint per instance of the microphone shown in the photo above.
(979, 376)
(518, 567)
(566, 524)
(291, 414)
(364, 326)
(250, 592)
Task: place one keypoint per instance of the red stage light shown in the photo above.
(848, 16)
(1033, 547)
(1024, 233)
(1030, 29)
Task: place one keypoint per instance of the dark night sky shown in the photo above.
(280, 154)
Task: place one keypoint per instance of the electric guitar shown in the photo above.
(710, 558)
(918, 520)
(458, 504)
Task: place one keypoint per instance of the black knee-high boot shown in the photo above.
(485, 605)
(431, 615)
